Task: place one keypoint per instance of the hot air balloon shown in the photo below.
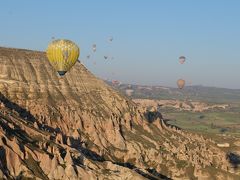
(94, 47)
(62, 55)
(182, 59)
(180, 83)
(115, 82)
(129, 92)
(110, 39)
(105, 57)
(88, 56)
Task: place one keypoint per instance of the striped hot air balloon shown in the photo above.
(62, 55)
(182, 59)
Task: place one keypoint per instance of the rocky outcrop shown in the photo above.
(186, 105)
(77, 127)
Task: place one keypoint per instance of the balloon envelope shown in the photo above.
(181, 83)
(62, 55)
(115, 82)
(94, 47)
(111, 39)
(182, 59)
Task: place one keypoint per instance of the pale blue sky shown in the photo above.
(149, 36)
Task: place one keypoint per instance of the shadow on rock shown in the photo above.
(3, 162)
(152, 116)
(92, 155)
(171, 125)
(23, 113)
(50, 129)
(154, 175)
(157, 174)
(234, 159)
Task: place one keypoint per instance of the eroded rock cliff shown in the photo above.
(77, 127)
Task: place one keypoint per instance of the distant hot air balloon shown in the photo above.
(94, 47)
(110, 39)
(88, 56)
(181, 83)
(115, 82)
(105, 57)
(182, 59)
(62, 54)
(129, 92)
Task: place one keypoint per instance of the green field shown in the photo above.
(223, 122)
(213, 122)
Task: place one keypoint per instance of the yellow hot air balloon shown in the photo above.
(181, 83)
(62, 54)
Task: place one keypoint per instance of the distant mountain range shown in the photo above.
(195, 93)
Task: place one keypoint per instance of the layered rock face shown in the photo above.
(77, 127)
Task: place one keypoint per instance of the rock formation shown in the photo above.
(186, 105)
(77, 127)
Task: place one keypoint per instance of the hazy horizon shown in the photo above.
(174, 86)
(148, 37)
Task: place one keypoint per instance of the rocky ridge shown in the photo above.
(77, 127)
